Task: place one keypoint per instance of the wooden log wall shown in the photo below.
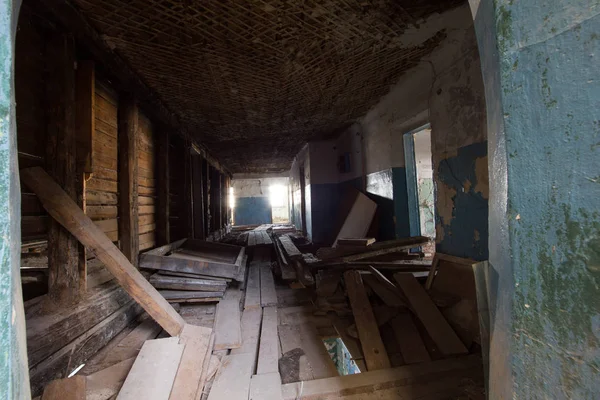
(146, 184)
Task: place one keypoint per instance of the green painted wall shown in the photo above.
(14, 378)
(543, 100)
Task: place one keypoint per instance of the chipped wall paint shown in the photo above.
(543, 111)
(14, 377)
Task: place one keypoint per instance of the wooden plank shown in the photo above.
(164, 249)
(208, 363)
(266, 387)
(432, 271)
(189, 294)
(66, 389)
(390, 297)
(368, 332)
(108, 225)
(196, 340)
(251, 238)
(438, 328)
(153, 371)
(128, 184)
(290, 248)
(233, 379)
(228, 332)
(64, 275)
(371, 381)
(268, 352)
(198, 276)
(106, 383)
(410, 342)
(359, 219)
(251, 321)
(354, 253)
(252, 299)
(99, 212)
(177, 263)
(178, 283)
(268, 296)
(356, 242)
(102, 185)
(61, 207)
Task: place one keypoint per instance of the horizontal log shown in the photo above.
(180, 283)
(93, 197)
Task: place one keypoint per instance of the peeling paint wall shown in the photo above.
(446, 90)
(540, 62)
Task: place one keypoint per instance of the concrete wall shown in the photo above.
(251, 194)
(446, 90)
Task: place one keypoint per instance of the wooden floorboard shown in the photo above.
(233, 379)
(228, 332)
(268, 296)
(252, 299)
(268, 351)
(154, 370)
(266, 387)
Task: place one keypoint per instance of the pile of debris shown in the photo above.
(194, 271)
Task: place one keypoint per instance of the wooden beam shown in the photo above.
(409, 340)
(196, 340)
(228, 328)
(128, 184)
(64, 274)
(188, 201)
(436, 325)
(268, 352)
(176, 264)
(163, 184)
(368, 332)
(63, 209)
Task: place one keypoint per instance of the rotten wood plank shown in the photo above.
(366, 324)
(436, 325)
(408, 339)
(66, 389)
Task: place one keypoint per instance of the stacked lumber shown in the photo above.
(195, 271)
(395, 321)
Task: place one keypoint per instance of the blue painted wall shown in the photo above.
(465, 235)
(252, 211)
(543, 96)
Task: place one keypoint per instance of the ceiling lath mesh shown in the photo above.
(254, 80)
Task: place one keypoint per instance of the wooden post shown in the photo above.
(128, 184)
(85, 95)
(197, 188)
(63, 251)
(163, 226)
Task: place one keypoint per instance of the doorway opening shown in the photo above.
(278, 195)
(419, 180)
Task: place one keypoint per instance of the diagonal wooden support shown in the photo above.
(64, 210)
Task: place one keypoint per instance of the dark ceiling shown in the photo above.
(254, 80)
